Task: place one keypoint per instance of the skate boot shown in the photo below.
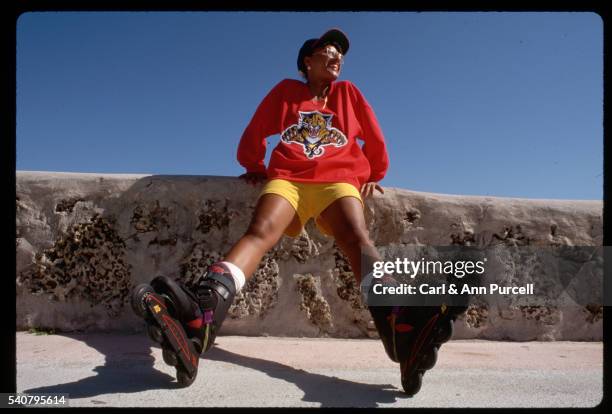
(381, 314)
(160, 308)
(412, 335)
(214, 294)
(418, 332)
(184, 323)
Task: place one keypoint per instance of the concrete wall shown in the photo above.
(84, 240)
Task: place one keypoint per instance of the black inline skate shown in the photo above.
(185, 323)
(412, 335)
(419, 332)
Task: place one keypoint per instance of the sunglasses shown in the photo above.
(331, 54)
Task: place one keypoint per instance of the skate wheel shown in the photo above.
(429, 358)
(155, 334)
(169, 357)
(444, 332)
(412, 385)
(138, 305)
(184, 378)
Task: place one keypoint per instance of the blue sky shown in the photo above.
(500, 104)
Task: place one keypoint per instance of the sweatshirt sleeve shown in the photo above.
(374, 146)
(265, 122)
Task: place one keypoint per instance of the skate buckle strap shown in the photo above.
(208, 316)
(222, 287)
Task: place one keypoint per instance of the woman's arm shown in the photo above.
(265, 122)
(374, 146)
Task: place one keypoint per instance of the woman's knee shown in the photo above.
(264, 229)
(354, 234)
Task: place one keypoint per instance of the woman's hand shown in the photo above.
(253, 178)
(367, 190)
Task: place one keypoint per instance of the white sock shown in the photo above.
(237, 274)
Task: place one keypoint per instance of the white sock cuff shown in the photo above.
(237, 274)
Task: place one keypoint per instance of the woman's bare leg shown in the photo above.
(273, 214)
(346, 219)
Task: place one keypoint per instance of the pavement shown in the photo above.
(127, 370)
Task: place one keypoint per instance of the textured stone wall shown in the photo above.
(84, 240)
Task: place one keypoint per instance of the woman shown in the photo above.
(318, 170)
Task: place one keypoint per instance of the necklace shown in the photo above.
(316, 100)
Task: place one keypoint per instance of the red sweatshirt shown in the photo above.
(317, 144)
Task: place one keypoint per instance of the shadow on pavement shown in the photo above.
(329, 391)
(128, 368)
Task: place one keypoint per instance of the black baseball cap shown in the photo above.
(331, 36)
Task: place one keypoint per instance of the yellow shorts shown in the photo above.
(310, 199)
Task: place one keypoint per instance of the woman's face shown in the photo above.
(325, 64)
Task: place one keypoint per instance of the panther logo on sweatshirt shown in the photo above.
(314, 131)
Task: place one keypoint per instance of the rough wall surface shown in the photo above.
(84, 240)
